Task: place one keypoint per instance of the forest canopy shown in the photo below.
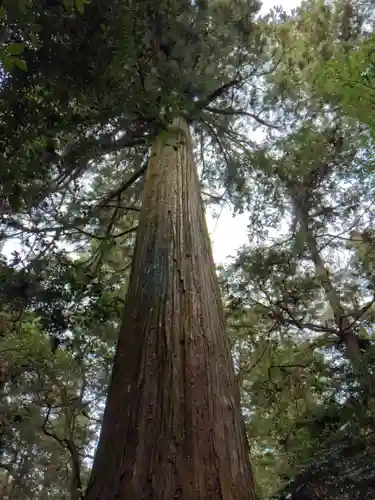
(107, 110)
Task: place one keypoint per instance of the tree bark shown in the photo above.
(172, 426)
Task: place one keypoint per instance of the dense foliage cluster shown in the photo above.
(282, 110)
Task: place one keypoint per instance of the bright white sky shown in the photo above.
(229, 233)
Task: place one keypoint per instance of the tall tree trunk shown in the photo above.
(172, 426)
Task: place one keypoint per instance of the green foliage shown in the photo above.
(78, 4)
(87, 87)
(15, 11)
(10, 58)
(55, 355)
(349, 79)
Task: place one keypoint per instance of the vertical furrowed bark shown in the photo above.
(172, 427)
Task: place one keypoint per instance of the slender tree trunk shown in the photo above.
(172, 426)
(346, 333)
(300, 198)
(5, 482)
(344, 328)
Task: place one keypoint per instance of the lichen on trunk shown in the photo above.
(172, 426)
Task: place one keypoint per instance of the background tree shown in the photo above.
(313, 188)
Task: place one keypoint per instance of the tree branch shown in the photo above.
(82, 152)
(218, 92)
(233, 112)
(124, 186)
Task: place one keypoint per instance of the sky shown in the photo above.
(228, 233)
